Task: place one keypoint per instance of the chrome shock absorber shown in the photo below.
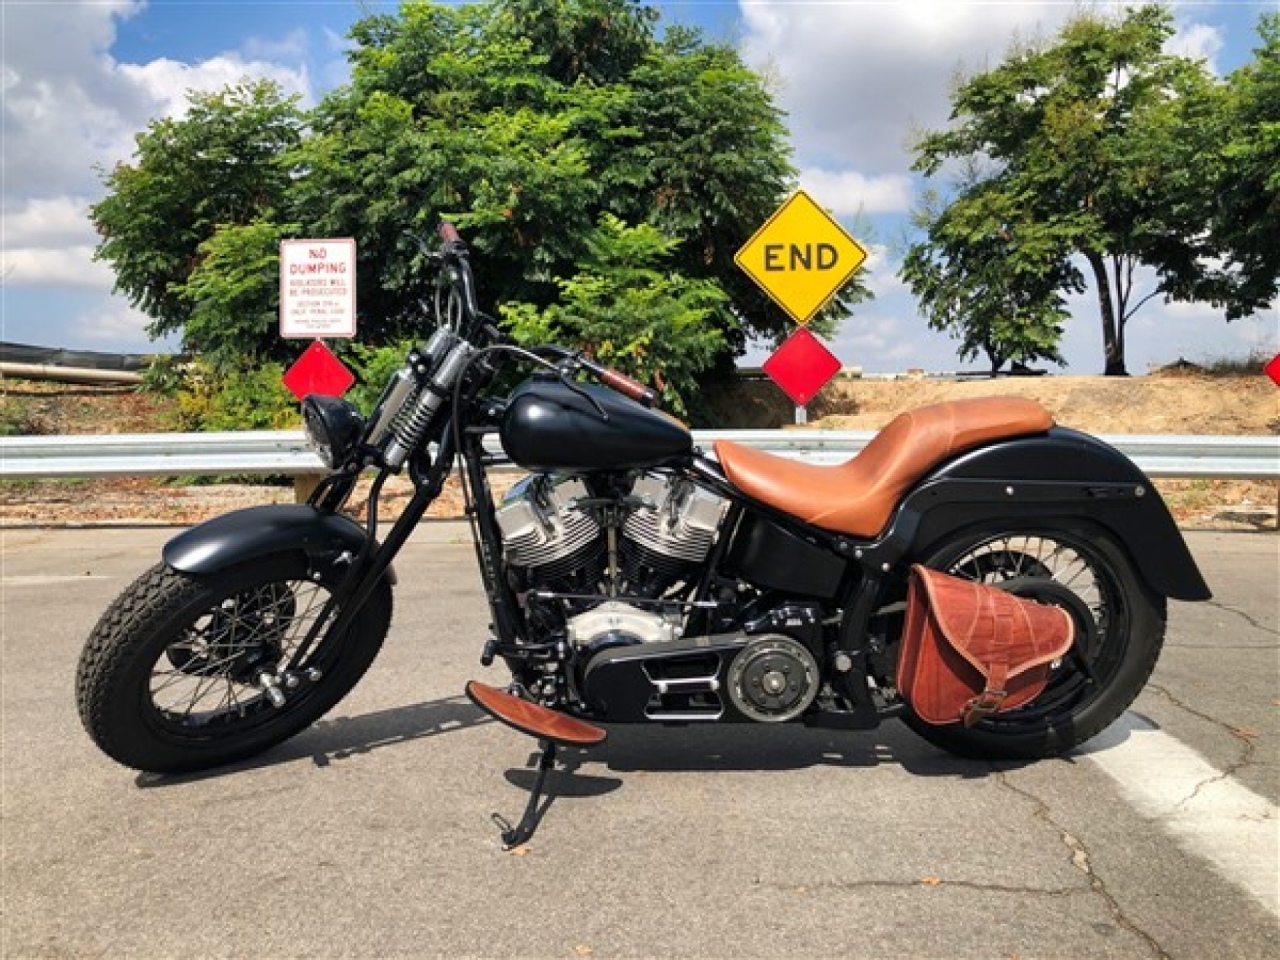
(411, 421)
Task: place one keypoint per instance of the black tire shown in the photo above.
(1120, 628)
(167, 680)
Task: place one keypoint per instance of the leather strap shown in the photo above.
(995, 690)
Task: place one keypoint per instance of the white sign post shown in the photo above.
(317, 288)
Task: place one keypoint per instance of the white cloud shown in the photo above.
(49, 242)
(40, 221)
(168, 82)
(70, 110)
(890, 337)
(1197, 41)
(881, 272)
(857, 78)
(849, 193)
(116, 323)
(71, 266)
(292, 46)
(1188, 312)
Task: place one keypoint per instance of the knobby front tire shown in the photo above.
(167, 682)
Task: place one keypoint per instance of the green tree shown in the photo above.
(1245, 202)
(999, 297)
(220, 166)
(1091, 149)
(232, 296)
(628, 310)
(524, 121)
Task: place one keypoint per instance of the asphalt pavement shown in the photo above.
(369, 835)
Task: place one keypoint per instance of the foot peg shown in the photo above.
(551, 728)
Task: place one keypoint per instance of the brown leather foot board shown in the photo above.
(533, 719)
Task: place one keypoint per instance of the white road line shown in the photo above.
(1207, 812)
(50, 579)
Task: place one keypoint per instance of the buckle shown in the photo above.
(983, 706)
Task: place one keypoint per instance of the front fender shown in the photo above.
(1063, 473)
(259, 531)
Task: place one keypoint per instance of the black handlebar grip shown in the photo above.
(449, 233)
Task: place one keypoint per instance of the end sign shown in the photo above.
(801, 257)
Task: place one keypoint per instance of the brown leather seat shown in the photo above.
(858, 497)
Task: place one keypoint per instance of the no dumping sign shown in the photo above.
(317, 288)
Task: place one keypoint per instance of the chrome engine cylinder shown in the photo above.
(677, 524)
(541, 525)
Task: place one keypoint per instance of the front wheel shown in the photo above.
(1119, 631)
(172, 677)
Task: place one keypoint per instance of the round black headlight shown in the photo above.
(333, 427)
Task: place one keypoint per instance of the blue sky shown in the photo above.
(856, 77)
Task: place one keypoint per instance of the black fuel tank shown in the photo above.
(549, 428)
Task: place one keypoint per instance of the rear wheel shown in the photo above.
(1119, 631)
(177, 675)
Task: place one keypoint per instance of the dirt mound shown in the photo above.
(1177, 404)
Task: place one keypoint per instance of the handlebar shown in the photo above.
(454, 254)
(625, 385)
(613, 379)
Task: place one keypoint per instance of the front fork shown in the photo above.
(507, 622)
(373, 561)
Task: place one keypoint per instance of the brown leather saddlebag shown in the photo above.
(969, 650)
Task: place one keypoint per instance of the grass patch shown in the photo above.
(225, 479)
(18, 417)
(1249, 366)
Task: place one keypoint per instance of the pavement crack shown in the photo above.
(1247, 747)
(849, 885)
(1253, 622)
(1081, 860)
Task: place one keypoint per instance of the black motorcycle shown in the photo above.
(634, 578)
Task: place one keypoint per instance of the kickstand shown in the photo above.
(515, 836)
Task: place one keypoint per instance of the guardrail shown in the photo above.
(158, 455)
(285, 452)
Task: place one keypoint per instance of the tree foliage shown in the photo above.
(1093, 156)
(1000, 297)
(221, 166)
(630, 311)
(1245, 210)
(549, 130)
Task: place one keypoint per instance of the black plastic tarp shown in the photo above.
(84, 359)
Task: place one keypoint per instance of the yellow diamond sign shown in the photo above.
(801, 257)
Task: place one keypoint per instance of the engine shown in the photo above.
(602, 567)
(594, 550)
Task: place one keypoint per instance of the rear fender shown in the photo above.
(1062, 474)
(260, 531)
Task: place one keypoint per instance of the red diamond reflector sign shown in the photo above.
(1273, 369)
(802, 366)
(318, 371)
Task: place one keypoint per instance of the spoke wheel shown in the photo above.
(175, 675)
(209, 678)
(1119, 631)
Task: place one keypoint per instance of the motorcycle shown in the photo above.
(632, 578)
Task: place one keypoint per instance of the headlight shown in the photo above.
(333, 428)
